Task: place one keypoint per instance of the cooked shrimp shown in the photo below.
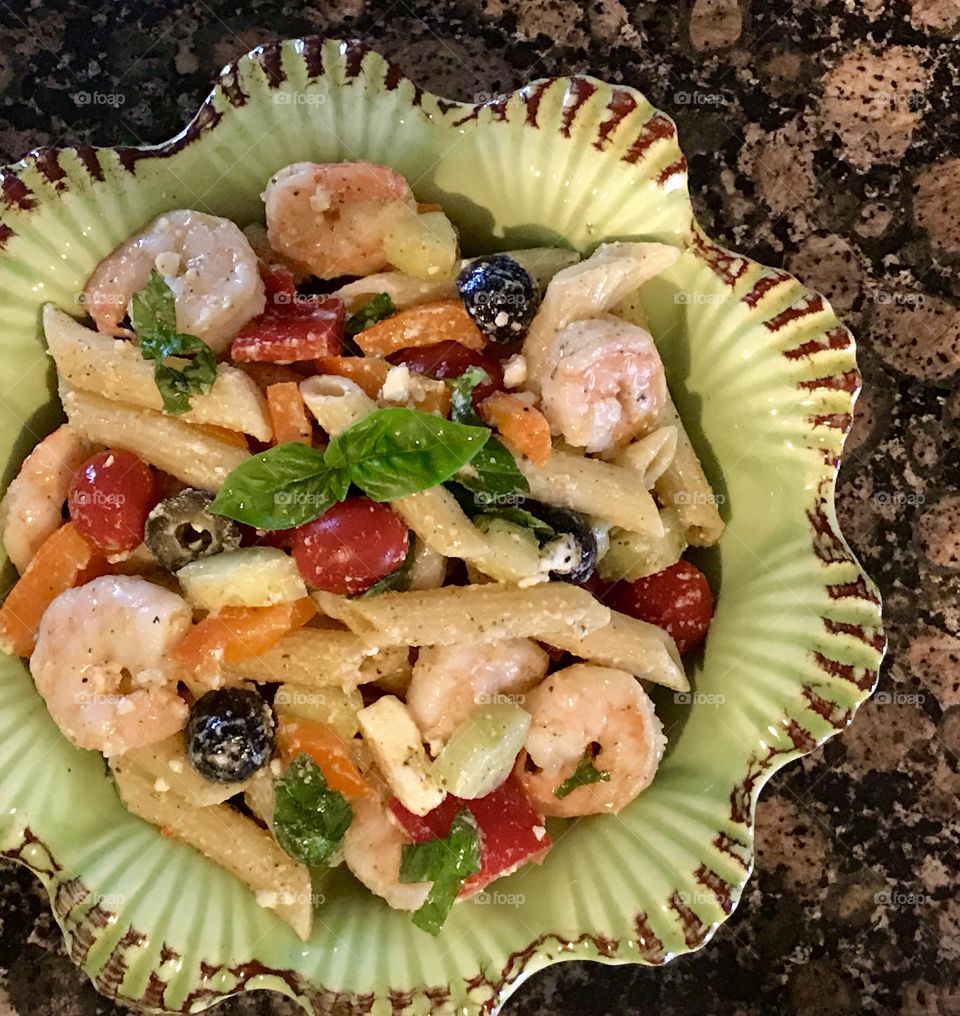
(207, 262)
(329, 217)
(603, 383)
(372, 849)
(102, 663)
(448, 681)
(575, 709)
(32, 507)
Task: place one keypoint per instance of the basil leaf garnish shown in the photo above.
(375, 309)
(585, 774)
(396, 452)
(281, 488)
(494, 471)
(447, 862)
(310, 820)
(154, 318)
(389, 454)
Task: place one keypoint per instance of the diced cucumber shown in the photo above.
(514, 553)
(633, 556)
(250, 577)
(424, 246)
(481, 752)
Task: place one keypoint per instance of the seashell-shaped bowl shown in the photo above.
(766, 379)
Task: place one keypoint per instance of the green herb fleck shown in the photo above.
(154, 318)
(585, 774)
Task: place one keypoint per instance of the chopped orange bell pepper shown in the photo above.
(288, 414)
(523, 426)
(327, 749)
(235, 634)
(64, 560)
(422, 325)
(369, 372)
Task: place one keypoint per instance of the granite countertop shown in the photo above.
(821, 136)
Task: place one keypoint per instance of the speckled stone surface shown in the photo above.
(822, 135)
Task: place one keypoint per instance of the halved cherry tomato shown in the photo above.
(677, 599)
(110, 498)
(511, 832)
(352, 545)
(451, 359)
(303, 329)
(325, 746)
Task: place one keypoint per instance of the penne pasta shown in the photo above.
(684, 486)
(259, 797)
(167, 764)
(196, 457)
(229, 839)
(456, 614)
(650, 456)
(601, 489)
(311, 657)
(625, 643)
(633, 555)
(336, 402)
(114, 369)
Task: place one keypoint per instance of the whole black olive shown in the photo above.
(229, 734)
(566, 522)
(500, 295)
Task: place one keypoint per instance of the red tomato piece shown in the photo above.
(677, 599)
(511, 831)
(304, 329)
(278, 283)
(451, 359)
(352, 545)
(110, 498)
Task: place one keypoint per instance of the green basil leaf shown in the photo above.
(494, 474)
(153, 309)
(375, 309)
(519, 517)
(399, 579)
(447, 862)
(154, 319)
(585, 774)
(395, 452)
(310, 820)
(281, 488)
(461, 394)
(494, 470)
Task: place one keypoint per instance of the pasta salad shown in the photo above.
(354, 551)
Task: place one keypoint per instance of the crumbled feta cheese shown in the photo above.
(396, 385)
(515, 371)
(539, 831)
(501, 319)
(268, 898)
(176, 765)
(559, 555)
(167, 263)
(527, 398)
(160, 785)
(276, 767)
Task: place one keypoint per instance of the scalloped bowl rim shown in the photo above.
(549, 949)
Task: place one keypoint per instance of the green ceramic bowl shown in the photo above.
(766, 379)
